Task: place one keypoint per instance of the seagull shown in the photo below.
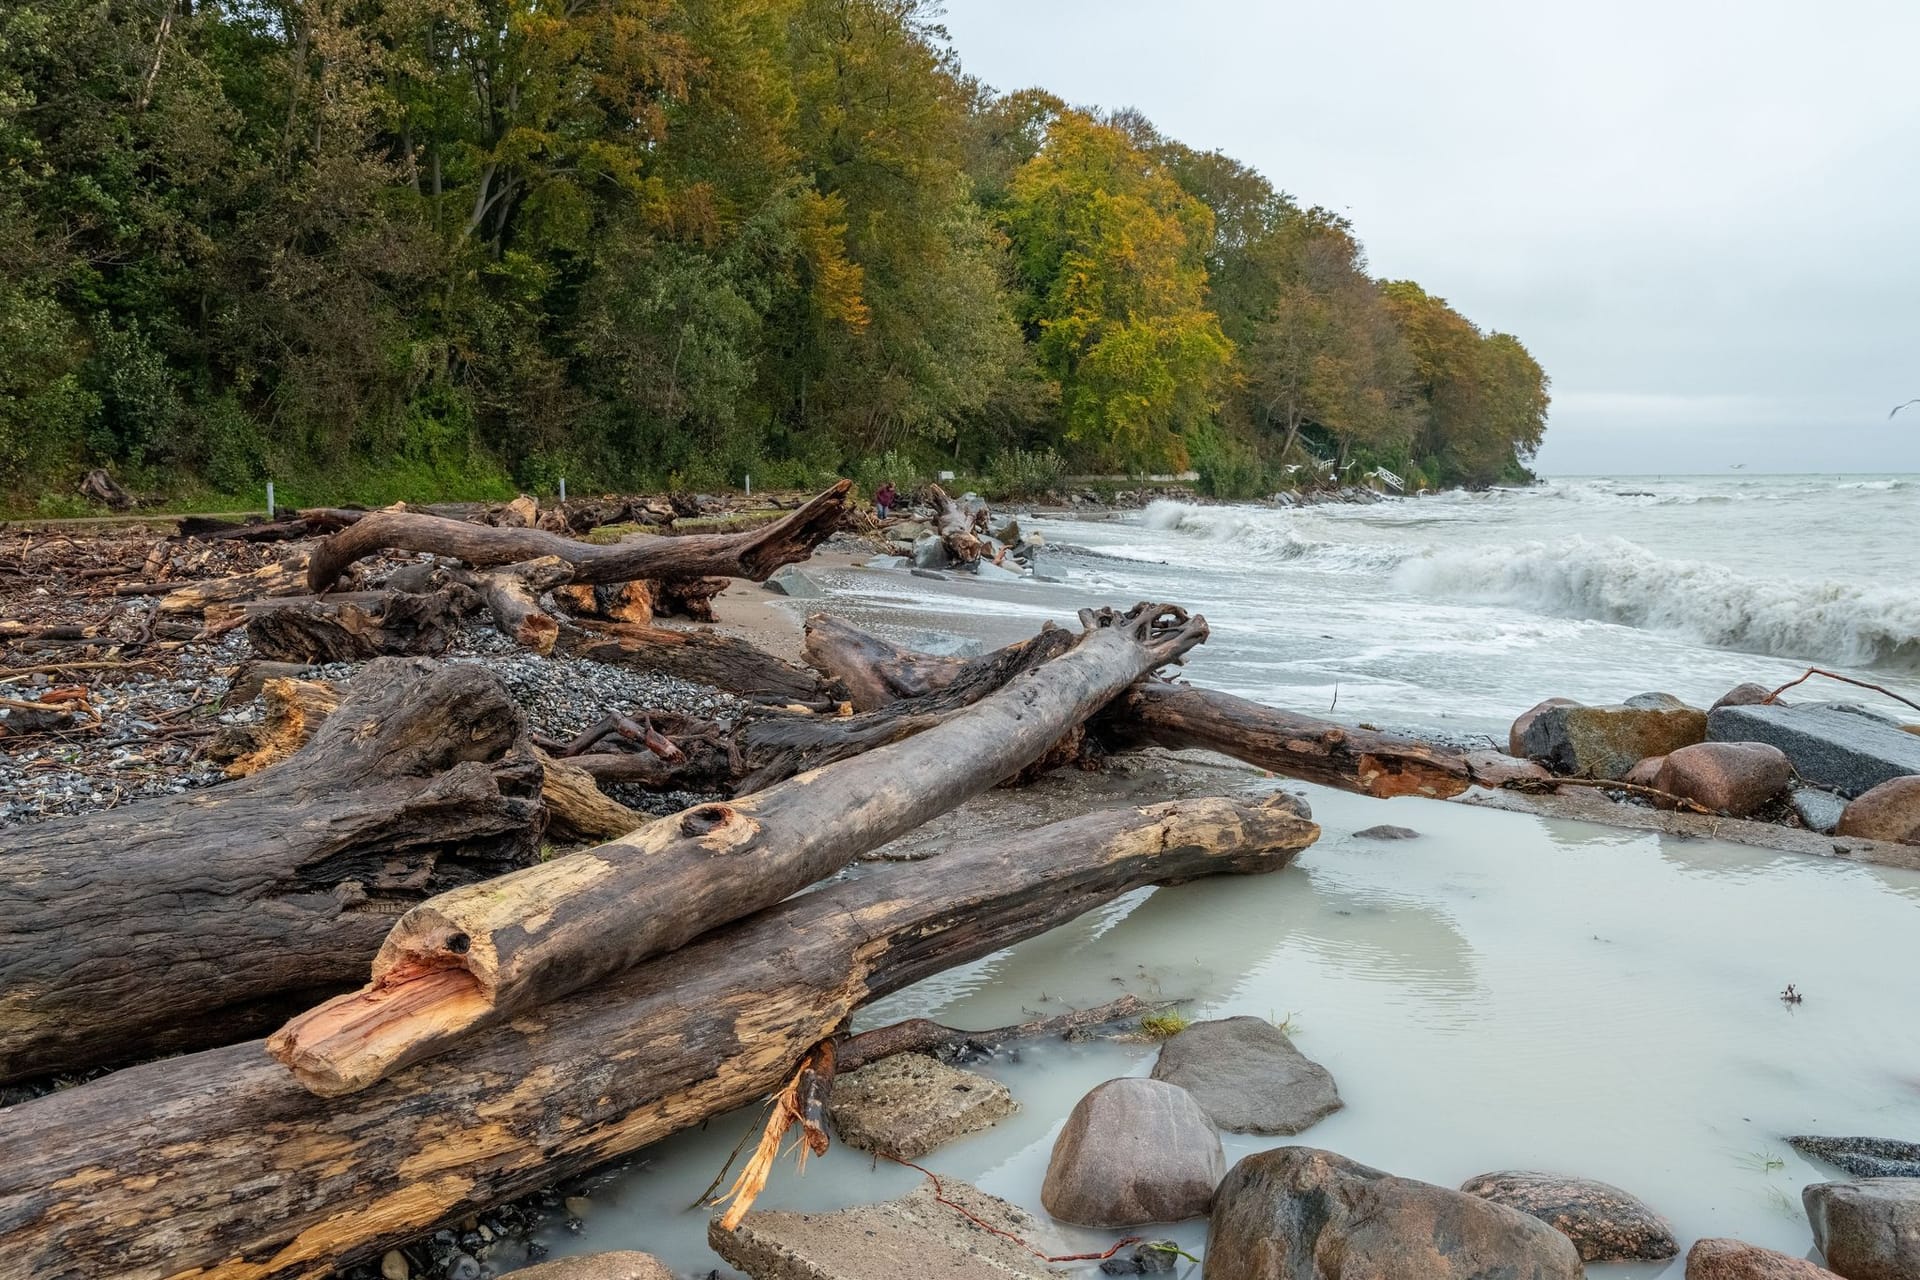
(1897, 408)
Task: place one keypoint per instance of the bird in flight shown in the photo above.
(1897, 408)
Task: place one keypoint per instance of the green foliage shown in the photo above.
(1025, 473)
(1164, 1026)
(403, 249)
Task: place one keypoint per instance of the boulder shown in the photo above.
(1517, 735)
(793, 582)
(1891, 811)
(1868, 1229)
(929, 552)
(1843, 748)
(1735, 778)
(1863, 1157)
(908, 1104)
(1721, 1259)
(1654, 702)
(1385, 832)
(1646, 773)
(1296, 1213)
(1133, 1151)
(915, 1235)
(1817, 810)
(1742, 695)
(1247, 1076)
(1605, 1223)
(1606, 742)
(600, 1266)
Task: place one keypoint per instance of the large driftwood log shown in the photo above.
(286, 577)
(218, 1166)
(473, 958)
(956, 528)
(704, 657)
(352, 628)
(754, 554)
(202, 918)
(876, 673)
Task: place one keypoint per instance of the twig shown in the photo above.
(1609, 784)
(1835, 675)
(918, 1035)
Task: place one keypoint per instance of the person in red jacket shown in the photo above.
(883, 499)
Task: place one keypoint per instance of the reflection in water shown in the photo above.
(1501, 992)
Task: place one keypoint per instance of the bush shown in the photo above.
(1023, 473)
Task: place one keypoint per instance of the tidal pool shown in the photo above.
(1502, 992)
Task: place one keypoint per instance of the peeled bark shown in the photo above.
(877, 673)
(754, 554)
(474, 958)
(220, 1167)
(201, 918)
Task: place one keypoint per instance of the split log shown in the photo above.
(754, 554)
(198, 919)
(704, 657)
(1177, 716)
(469, 959)
(218, 1166)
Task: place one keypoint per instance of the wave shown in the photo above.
(1613, 580)
(1254, 535)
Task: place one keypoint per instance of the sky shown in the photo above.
(1699, 216)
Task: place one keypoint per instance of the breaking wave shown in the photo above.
(1613, 580)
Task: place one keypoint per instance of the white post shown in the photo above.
(749, 486)
(563, 488)
(269, 500)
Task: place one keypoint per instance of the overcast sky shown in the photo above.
(1700, 217)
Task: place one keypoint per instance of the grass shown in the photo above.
(1165, 1026)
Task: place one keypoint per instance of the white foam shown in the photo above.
(1614, 580)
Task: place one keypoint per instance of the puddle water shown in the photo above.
(1503, 992)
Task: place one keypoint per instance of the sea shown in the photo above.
(1502, 991)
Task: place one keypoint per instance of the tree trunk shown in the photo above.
(285, 578)
(197, 919)
(1296, 746)
(366, 624)
(219, 1166)
(955, 527)
(704, 657)
(877, 673)
(754, 554)
(472, 958)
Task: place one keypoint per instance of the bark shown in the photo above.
(352, 628)
(1296, 746)
(704, 657)
(294, 712)
(284, 578)
(956, 528)
(198, 919)
(473, 958)
(220, 1167)
(754, 554)
(1178, 716)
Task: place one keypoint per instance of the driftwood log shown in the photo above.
(956, 528)
(754, 554)
(473, 958)
(351, 627)
(705, 657)
(218, 1166)
(199, 919)
(875, 673)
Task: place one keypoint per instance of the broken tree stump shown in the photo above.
(468, 959)
(219, 1166)
(202, 918)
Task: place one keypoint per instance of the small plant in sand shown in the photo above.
(1165, 1026)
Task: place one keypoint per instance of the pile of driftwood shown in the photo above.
(454, 1020)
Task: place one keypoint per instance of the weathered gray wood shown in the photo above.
(754, 554)
(705, 657)
(473, 958)
(206, 917)
(219, 1166)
